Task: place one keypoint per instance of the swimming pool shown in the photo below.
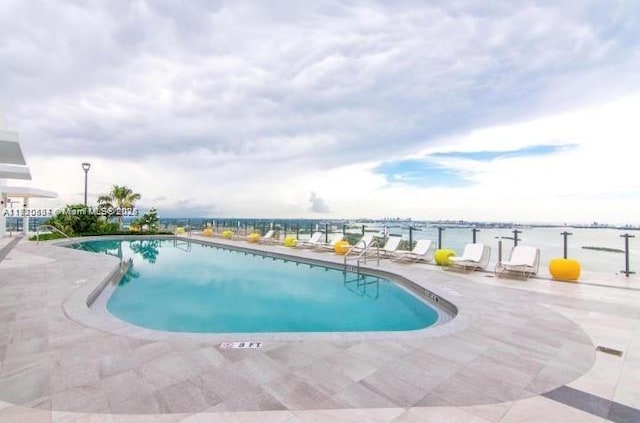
(191, 287)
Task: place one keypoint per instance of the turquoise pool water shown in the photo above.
(189, 287)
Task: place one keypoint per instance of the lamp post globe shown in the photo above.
(85, 166)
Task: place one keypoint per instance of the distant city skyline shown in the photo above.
(513, 112)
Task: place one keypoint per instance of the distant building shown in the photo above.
(13, 166)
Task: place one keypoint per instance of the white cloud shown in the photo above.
(235, 108)
(317, 204)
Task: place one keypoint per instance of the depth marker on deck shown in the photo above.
(241, 345)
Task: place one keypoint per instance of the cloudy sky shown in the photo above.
(505, 110)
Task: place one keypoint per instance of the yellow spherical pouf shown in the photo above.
(253, 237)
(442, 256)
(180, 231)
(565, 269)
(290, 241)
(341, 247)
(207, 232)
(227, 234)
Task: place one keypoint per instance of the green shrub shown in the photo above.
(80, 220)
(75, 218)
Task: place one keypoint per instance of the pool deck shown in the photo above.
(517, 351)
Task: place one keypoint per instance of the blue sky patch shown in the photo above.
(421, 173)
(487, 156)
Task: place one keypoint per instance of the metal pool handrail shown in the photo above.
(54, 229)
(51, 228)
(362, 255)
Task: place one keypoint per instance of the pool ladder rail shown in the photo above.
(360, 252)
(182, 245)
(360, 285)
(187, 231)
(50, 228)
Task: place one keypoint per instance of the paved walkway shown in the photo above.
(7, 245)
(517, 351)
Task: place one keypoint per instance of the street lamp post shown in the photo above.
(85, 166)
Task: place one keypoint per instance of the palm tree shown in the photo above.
(120, 197)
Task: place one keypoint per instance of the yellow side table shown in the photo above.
(227, 234)
(253, 237)
(565, 269)
(290, 241)
(180, 231)
(442, 256)
(207, 232)
(341, 247)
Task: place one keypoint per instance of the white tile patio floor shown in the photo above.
(517, 351)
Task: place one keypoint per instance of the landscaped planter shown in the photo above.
(442, 256)
(565, 269)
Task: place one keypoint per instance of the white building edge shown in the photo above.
(13, 166)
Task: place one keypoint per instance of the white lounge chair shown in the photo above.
(364, 243)
(474, 256)
(335, 238)
(523, 261)
(422, 251)
(391, 246)
(314, 241)
(268, 237)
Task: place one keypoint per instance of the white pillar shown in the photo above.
(3, 218)
(25, 217)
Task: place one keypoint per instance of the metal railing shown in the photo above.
(49, 228)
